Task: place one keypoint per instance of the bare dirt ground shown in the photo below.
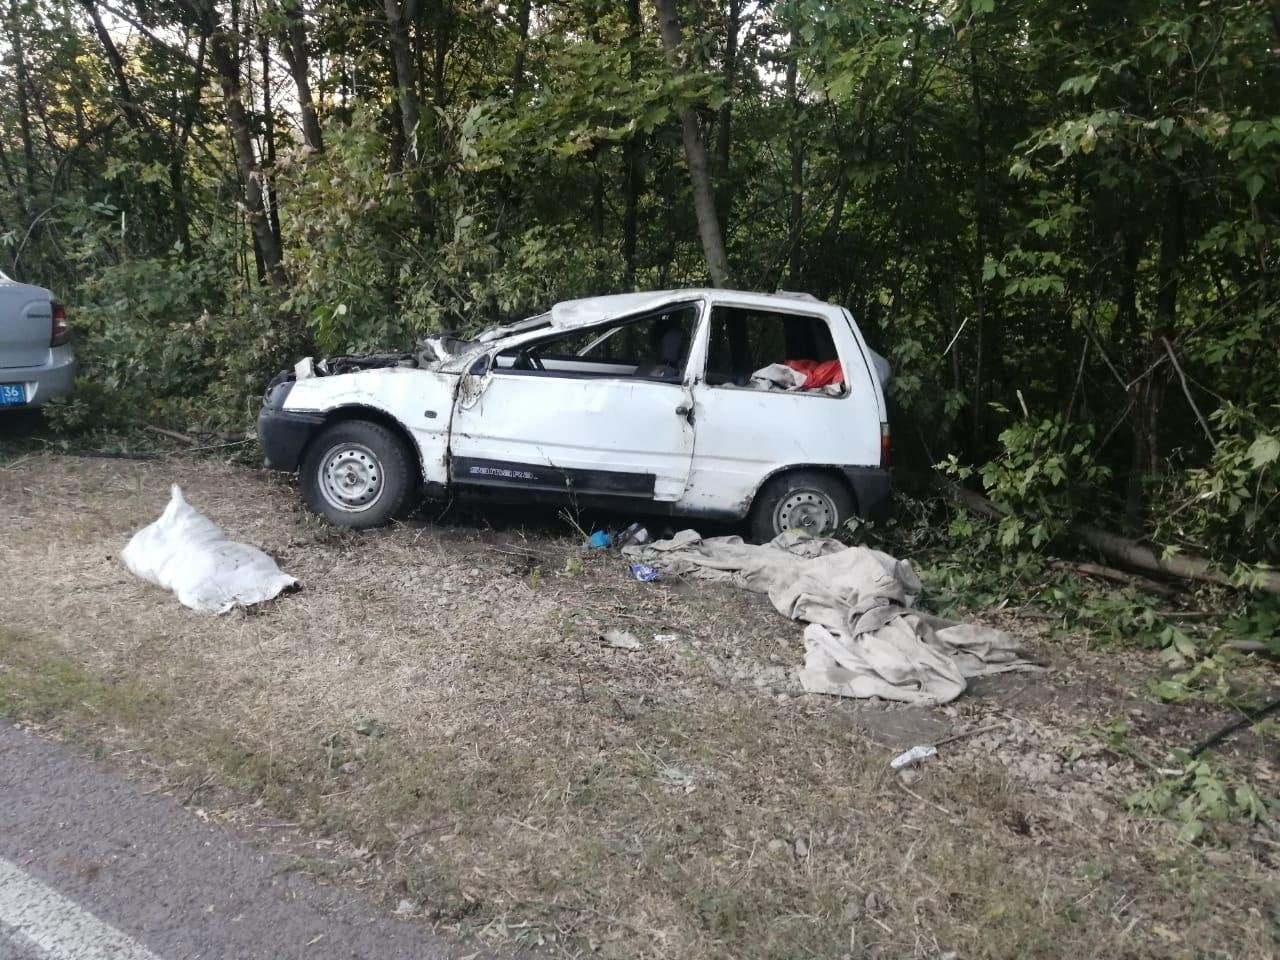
(435, 717)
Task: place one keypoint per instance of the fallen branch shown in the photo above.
(1183, 566)
(1114, 547)
(1222, 733)
(1119, 576)
(1204, 424)
(174, 434)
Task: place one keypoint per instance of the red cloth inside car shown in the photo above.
(817, 374)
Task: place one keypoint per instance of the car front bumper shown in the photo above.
(284, 433)
(51, 379)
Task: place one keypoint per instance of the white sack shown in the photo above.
(864, 636)
(184, 551)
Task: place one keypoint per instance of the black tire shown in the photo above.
(356, 473)
(802, 499)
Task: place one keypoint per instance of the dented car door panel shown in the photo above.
(608, 437)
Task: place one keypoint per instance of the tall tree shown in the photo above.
(399, 15)
(695, 151)
(298, 59)
(224, 46)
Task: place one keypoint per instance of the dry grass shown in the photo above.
(525, 782)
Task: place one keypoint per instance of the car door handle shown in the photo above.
(685, 410)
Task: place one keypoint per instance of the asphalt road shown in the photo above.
(92, 869)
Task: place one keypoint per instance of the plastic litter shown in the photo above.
(913, 756)
(644, 573)
(634, 534)
(622, 639)
(600, 540)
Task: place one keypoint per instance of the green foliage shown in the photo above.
(1231, 504)
(1043, 476)
(1203, 792)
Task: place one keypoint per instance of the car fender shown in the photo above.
(419, 401)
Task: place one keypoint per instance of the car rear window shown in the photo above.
(744, 340)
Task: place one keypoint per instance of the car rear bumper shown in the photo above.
(873, 491)
(51, 379)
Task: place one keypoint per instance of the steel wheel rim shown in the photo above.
(350, 477)
(811, 511)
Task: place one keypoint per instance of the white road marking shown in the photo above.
(57, 926)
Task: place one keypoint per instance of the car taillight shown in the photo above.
(61, 330)
(884, 446)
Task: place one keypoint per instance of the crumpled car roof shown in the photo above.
(570, 314)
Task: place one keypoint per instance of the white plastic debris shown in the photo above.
(913, 756)
(184, 551)
(622, 639)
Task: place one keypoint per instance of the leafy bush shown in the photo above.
(1230, 507)
(1043, 477)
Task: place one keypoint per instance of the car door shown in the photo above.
(748, 431)
(596, 411)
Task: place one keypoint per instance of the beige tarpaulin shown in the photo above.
(864, 637)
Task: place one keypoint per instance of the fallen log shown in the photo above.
(1184, 566)
(1121, 550)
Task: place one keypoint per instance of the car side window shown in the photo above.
(767, 350)
(654, 346)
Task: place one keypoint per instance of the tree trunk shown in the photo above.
(299, 63)
(632, 178)
(724, 119)
(177, 178)
(440, 53)
(1146, 422)
(398, 16)
(695, 150)
(795, 145)
(517, 69)
(597, 193)
(269, 133)
(128, 106)
(986, 336)
(23, 83)
(221, 50)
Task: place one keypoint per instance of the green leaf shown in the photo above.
(1264, 450)
(1254, 183)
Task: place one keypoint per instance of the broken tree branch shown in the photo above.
(1119, 576)
(1204, 424)
(173, 434)
(1183, 566)
(1118, 549)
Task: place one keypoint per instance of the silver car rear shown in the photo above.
(36, 359)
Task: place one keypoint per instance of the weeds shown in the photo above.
(1202, 792)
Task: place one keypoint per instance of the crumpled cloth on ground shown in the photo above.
(186, 552)
(864, 637)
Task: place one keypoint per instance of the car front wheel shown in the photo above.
(805, 500)
(356, 473)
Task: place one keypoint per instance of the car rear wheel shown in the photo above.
(805, 500)
(356, 473)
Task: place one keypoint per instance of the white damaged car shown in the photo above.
(694, 403)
